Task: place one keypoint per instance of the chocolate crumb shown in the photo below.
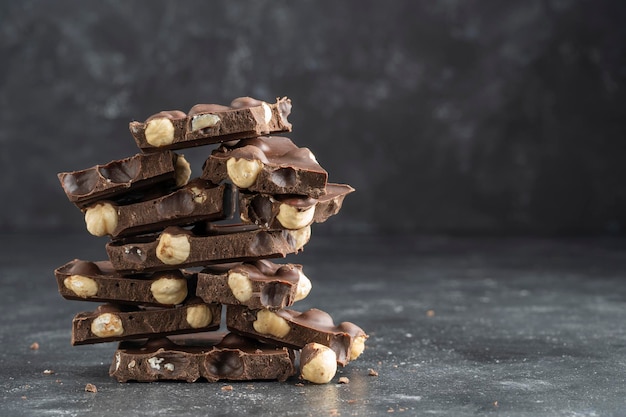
(91, 388)
(227, 388)
(372, 372)
(34, 346)
(299, 384)
(344, 380)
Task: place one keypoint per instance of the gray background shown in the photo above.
(460, 117)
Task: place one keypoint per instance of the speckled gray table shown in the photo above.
(457, 327)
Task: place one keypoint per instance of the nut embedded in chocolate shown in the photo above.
(119, 179)
(258, 284)
(111, 323)
(211, 123)
(269, 165)
(294, 329)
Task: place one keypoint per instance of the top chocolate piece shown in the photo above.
(118, 180)
(246, 117)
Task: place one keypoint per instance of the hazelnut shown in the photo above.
(202, 121)
(159, 132)
(199, 316)
(101, 219)
(267, 112)
(173, 249)
(304, 287)
(83, 287)
(268, 322)
(199, 196)
(168, 290)
(318, 363)
(107, 325)
(240, 286)
(242, 172)
(358, 346)
(183, 171)
(301, 237)
(291, 217)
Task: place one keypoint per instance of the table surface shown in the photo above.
(460, 327)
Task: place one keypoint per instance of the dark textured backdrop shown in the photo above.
(447, 116)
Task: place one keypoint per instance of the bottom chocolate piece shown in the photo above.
(234, 358)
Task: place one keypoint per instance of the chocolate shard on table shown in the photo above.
(295, 330)
(197, 201)
(246, 117)
(110, 322)
(176, 247)
(258, 284)
(235, 358)
(268, 165)
(99, 282)
(125, 179)
(291, 211)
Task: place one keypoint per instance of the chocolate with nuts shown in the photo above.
(259, 284)
(110, 323)
(98, 281)
(197, 201)
(294, 329)
(268, 165)
(235, 358)
(123, 179)
(246, 117)
(180, 248)
(291, 211)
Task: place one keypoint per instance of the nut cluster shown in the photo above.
(161, 224)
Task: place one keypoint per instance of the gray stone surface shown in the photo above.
(497, 116)
(520, 328)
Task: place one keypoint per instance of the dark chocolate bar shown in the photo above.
(98, 281)
(235, 358)
(259, 284)
(112, 323)
(199, 200)
(117, 179)
(294, 329)
(268, 165)
(211, 123)
(181, 248)
(291, 211)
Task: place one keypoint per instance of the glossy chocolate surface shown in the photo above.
(117, 179)
(287, 168)
(272, 285)
(246, 117)
(310, 326)
(136, 255)
(234, 358)
(263, 210)
(141, 323)
(112, 287)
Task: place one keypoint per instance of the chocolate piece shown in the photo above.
(110, 323)
(260, 284)
(268, 165)
(98, 281)
(118, 179)
(180, 248)
(198, 201)
(235, 358)
(291, 211)
(211, 123)
(294, 329)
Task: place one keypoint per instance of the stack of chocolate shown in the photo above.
(176, 256)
